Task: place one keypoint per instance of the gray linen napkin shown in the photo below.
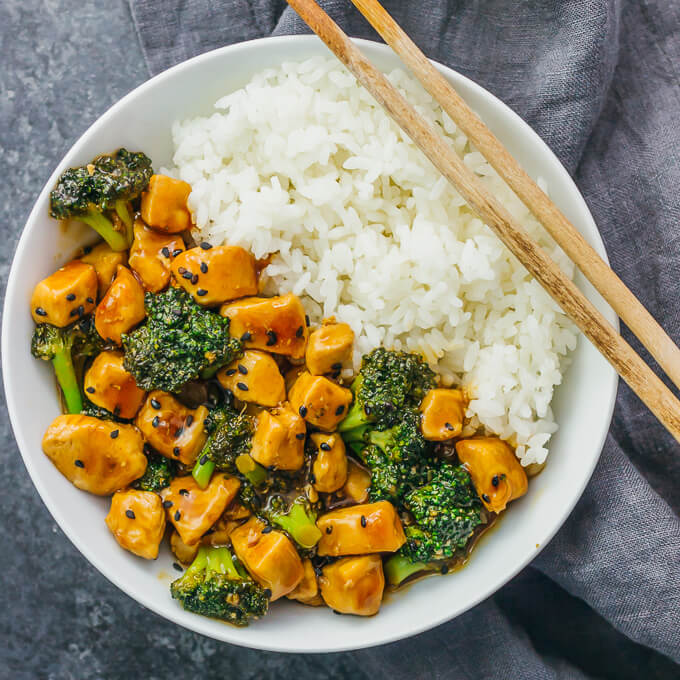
(598, 79)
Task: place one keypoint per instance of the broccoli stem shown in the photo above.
(219, 560)
(123, 212)
(398, 568)
(202, 472)
(66, 376)
(255, 473)
(299, 525)
(104, 227)
(355, 418)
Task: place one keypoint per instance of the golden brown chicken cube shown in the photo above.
(254, 378)
(164, 204)
(122, 308)
(137, 521)
(193, 510)
(99, 456)
(360, 530)
(308, 589)
(353, 585)
(442, 412)
(328, 347)
(275, 324)
(358, 482)
(320, 401)
(66, 295)
(183, 552)
(105, 261)
(151, 254)
(270, 558)
(279, 439)
(109, 385)
(330, 464)
(217, 274)
(496, 473)
(171, 428)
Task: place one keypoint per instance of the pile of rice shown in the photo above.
(303, 163)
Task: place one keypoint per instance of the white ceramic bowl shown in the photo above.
(583, 403)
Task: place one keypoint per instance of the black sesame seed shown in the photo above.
(181, 270)
(183, 492)
(363, 521)
(495, 481)
(271, 338)
(179, 431)
(242, 369)
(307, 321)
(246, 336)
(87, 250)
(204, 459)
(90, 390)
(73, 312)
(40, 311)
(242, 386)
(155, 404)
(339, 410)
(186, 274)
(81, 310)
(267, 593)
(448, 426)
(329, 530)
(190, 420)
(178, 514)
(267, 530)
(325, 447)
(299, 332)
(176, 252)
(155, 422)
(175, 451)
(337, 366)
(201, 291)
(300, 436)
(71, 297)
(177, 567)
(167, 504)
(230, 371)
(165, 251)
(205, 245)
(89, 300)
(130, 514)
(114, 434)
(79, 463)
(444, 569)
(194, 279)
(486, 498)
(204, 268)
(302, 411)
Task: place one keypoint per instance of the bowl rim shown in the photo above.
(196, 623)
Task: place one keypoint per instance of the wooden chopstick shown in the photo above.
(595, 269)
(576, 306)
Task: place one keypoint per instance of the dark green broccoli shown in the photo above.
(216, 586)
(296, 518)
(446, 510)
(179, 340)
(230, 436)
(56, 344)
(160, 471)
(87, 341)
(90, 409)
(388, 382)
(93, 193)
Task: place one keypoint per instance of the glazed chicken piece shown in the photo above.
(279, 439)
(171, 428)
(358, 482)
(443, 411)
(330, 464)
(328, 347)
(108, 385)
(193, 510)
(353, 585)
(65, 296)
(105, 261)
(215, 275)
(275, 324)
(254, 378)
(164, 204)
(360, 530)
(320, 401)
(307, 591)
(137, 521)
(122, 308)
(495, 471)
(98, 456)
(184, 553)
(270, 557)
(151, 255)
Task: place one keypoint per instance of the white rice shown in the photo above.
(303, 163)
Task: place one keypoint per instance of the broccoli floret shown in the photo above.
(93, 193)
(388, 382)
(297, 519)
(446, 510)
(56, 344)
(160, 471)
(179, 340)
(214, 585)
(90, 409)
(87, 342)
